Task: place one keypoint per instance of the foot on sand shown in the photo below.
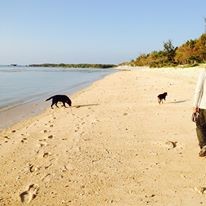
(202, 152)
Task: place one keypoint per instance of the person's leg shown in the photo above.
(201, 128)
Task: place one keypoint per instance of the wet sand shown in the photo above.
(11, 116)
(115, 146)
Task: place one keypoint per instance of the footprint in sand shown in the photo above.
(46, 178)
(32, 168)
(23, 140)
(6, 137)
(50, 136)
(45, 131)
(46, 154)
(47, 166)
(171, 144)
(28, 195)
(42, 144)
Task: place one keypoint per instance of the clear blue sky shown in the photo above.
(94, 31)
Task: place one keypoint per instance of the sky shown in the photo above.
(94, 31)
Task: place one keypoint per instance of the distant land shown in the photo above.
(102, 66)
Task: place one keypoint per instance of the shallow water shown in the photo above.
(19, 85)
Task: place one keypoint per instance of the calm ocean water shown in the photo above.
(19, 85)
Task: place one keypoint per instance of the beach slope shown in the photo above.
(115, 146)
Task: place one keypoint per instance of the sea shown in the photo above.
(22, 85)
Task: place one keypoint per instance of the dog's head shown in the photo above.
(165, 93)
(69, 102)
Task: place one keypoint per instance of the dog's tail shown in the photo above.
(49, 98)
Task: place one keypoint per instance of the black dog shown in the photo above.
(161, 97)
(60, 98)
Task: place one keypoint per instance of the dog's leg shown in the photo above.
(52, 104)
(64, 105)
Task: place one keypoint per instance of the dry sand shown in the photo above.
(118, 147)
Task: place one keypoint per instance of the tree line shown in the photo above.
(102, 66)
(190, 53)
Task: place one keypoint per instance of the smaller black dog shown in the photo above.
(162, 97)
(60, 98)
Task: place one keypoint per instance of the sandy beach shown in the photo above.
(115, 146)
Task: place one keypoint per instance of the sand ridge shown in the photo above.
(115, 146)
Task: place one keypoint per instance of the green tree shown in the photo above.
(169, 51)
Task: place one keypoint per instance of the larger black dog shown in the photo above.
(161, 97)
(60, 98)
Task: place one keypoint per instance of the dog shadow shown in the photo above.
(85, 105)
(179, 101)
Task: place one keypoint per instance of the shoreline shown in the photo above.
(113, 147)
(10, 115)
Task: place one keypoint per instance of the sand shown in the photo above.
(115, 146)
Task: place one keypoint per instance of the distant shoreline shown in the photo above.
(102, 66)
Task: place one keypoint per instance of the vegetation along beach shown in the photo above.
(97, 103)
